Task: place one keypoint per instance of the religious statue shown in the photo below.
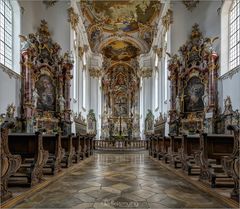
(25, 44)
(205, 99)
(62, 102)
(178, 104)
(10, 111)
(35, 97)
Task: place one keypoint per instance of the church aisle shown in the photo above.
(120, 181)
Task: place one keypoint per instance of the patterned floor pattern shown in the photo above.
(120, 181)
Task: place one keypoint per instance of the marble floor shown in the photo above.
(120, 181)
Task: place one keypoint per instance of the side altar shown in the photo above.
(46, 81)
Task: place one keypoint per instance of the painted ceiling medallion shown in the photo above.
(122, 15)
(190, 4)
(120, 51)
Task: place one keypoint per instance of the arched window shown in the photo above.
(234, 35)
(6, 34)
(10, 28)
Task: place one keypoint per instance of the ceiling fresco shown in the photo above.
(120, 51)
(125, 15)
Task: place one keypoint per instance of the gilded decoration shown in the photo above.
(146, 72)
(190, 4)
(73, 18)
(193, 78)
(167, 19)
(46, 83)
(158, 51)
(95, 73)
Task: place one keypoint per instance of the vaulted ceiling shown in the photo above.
(125, 27)
(120, 31)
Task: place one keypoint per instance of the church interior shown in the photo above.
(120, 103)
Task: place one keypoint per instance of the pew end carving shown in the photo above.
(9, 163)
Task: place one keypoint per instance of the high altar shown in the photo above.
(120, 117)
(46, 77)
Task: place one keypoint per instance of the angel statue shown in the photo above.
(25, 44)
(35, 97)
(62, 102)
(10, 111)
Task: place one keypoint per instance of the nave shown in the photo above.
(120, 181)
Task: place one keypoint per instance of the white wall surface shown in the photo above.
(9, 92)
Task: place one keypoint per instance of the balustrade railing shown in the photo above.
(120, 145)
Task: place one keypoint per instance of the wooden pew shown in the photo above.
(34, 157)
(166, 148)
(160, 147)
(174, 157)
(66, 142)
(154, 145)
(77, 146)
(92, 138)
(213, 148)
(9, 163)
(190, 148)
(83, 146)
(52, 143)
(231, 164)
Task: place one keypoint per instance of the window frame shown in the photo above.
(225, 40)
(16, 44)
(3, 64)
(237, 32)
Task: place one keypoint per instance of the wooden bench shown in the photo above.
(231, 164)
(160, 147)
(34, 157)
(83, 146)
(165, 148)
(174, 156)
(52, 143)
(67, 145)
(213, 149)
(9, 163)
(77, 147)
(190, 148)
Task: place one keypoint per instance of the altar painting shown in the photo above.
(194, 92)
(46, 92)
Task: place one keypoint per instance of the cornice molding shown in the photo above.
(230, 74)
(10, 72)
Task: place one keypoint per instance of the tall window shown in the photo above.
(84, 88)
(166, 72)
(75, 67)
(156, 89)
(6, 33)
(234, 35)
